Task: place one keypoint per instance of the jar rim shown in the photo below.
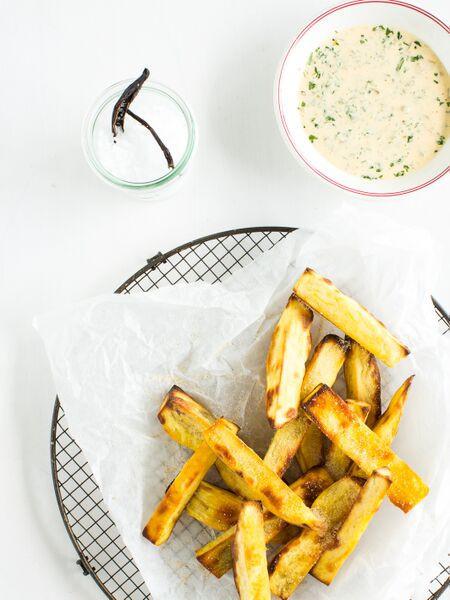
(113, 91)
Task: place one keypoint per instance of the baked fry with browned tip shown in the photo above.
(294, 561)
(350, 317)
(363, 381)
(285, 364)
(183, 418)
(363, 446)
(249, 555)
(356, 523)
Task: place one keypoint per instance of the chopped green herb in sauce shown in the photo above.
(400, 63)
(376, 109)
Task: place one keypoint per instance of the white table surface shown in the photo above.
(65, 235)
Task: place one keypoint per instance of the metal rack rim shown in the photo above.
(157, 259)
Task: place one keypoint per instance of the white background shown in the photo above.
(65, 235)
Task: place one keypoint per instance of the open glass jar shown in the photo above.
(132, 160)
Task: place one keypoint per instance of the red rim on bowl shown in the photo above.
(283, 118)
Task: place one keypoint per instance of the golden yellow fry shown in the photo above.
(285, 365)
(356, 523)
(310, 453)
(362, 378)
(294, 561)
(272, 491)
(168, 511)
(180, 491)
(249, 555)
(323, 367)
(325, 363)
(184, 419)
(282, 449)
(214, 507)
(337, 462)
(349, 316)
(234, 482)
(216, 555)
(285, 535)
(387, 426)
(364, 446)
(285, 443)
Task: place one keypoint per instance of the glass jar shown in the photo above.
(132, 161)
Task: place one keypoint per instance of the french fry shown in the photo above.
(364, 446)
(285, 365)
(337, 462)
(285, 443)
(387, 426)
(214, 507)
(178, 494)
(362, 378)
(349, 316)
(216, 555)
(235, 482)
(323, 367)
(184, 419)
(325, 363)
(356, 523)
(272, 491)
(310, 453)
(249, 555)
(285, 535)
(294, 561)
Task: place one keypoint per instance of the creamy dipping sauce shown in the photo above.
(374, 101)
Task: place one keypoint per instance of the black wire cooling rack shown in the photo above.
(101, 551)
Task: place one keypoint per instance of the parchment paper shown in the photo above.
(114, 357)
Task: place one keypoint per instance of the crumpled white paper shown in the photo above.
(114, 357)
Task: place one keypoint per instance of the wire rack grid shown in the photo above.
(94, 535)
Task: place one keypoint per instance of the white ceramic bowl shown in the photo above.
(395, 14)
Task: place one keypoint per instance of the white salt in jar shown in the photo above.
(132, 160)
